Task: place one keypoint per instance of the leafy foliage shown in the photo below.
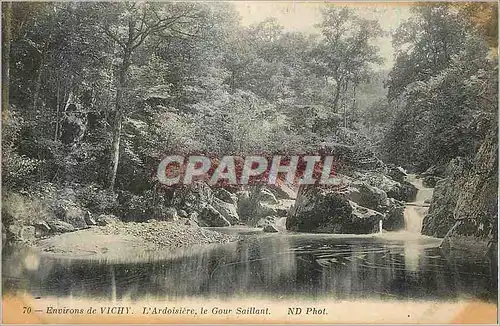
(445, 83)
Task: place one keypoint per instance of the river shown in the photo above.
(388, 265)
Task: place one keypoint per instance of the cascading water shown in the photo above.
(281, 224)
(415, 211)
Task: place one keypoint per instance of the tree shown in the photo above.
(425, 45)
(444, 81)
(129, 26)
(346, 54)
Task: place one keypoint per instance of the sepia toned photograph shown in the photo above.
(232, 162)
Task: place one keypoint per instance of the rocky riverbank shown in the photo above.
(371, 195)
(66, 228)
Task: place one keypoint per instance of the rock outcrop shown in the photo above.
(466, 198)
(373, 192)
(402, 191)
(209, 216)
(227, 210)
(396, 173)
(58, 226)
(270, 229)
(212, 207)
(368, 196)
(329, 211)
(103, 219)
(70, 213)
(394, 217)
(430, 181)
(282, 191)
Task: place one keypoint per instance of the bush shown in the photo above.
(97, 200)
(22, 209)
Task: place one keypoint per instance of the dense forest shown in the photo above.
(96, 94)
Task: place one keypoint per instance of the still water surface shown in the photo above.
(397, 265)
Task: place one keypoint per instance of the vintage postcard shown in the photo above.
(249, 162)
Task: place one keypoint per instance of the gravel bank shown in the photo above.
(130, 241)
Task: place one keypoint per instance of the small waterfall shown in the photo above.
(281, 223)
(415, 212)
(380, 225)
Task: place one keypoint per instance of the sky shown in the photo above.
(302, 16)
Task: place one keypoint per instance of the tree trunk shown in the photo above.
(344, 104)
(38, 83)
(117, 126)
(115, 149)
(337, 95)
(58, 108)
(6, 40)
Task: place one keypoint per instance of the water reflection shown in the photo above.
(268, 265)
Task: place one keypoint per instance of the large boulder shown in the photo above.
(439, 219)
(368, 196)
(209, 216)
(328, 211)
(394, 217)
(435, 171)
(103, 219)
(397, 173)
(42, 229)
(193, 198)
(267, 196)
(228, 210)
(270, 229)
(58, 226)
(430, 181)
(403, 191)
(226, 196)
(70, 213)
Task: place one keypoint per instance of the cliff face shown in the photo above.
(468, 194)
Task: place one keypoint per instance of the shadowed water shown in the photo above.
(393, 265)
